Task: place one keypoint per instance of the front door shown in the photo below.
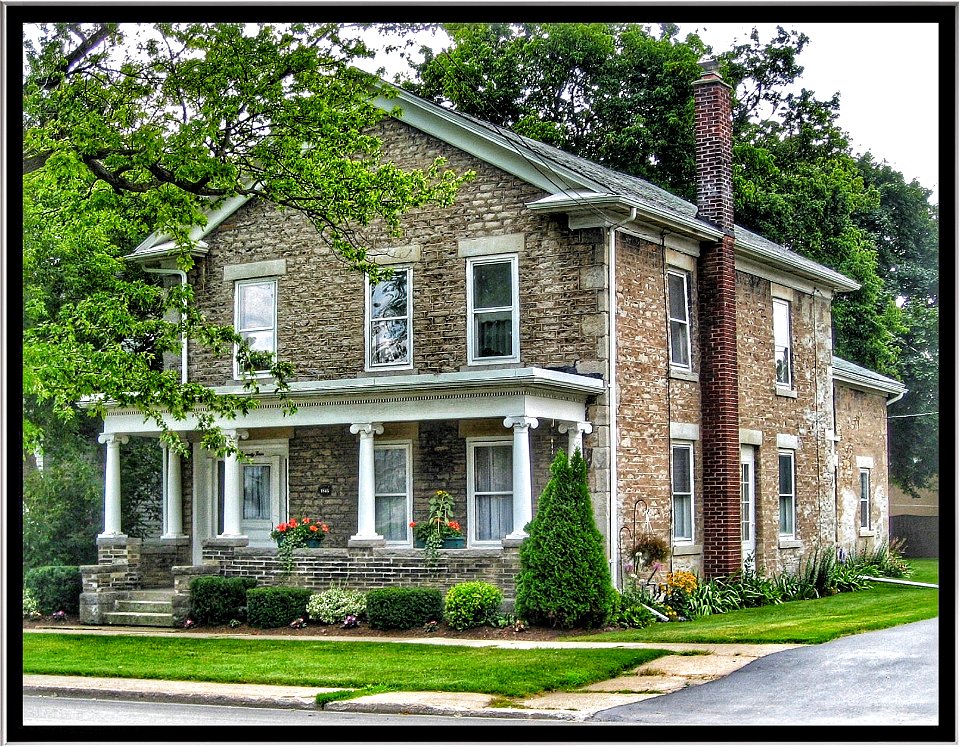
(748, 507)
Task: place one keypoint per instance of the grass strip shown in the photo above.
(390, 666)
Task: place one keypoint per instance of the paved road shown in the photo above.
(44, 710)
(886, 677)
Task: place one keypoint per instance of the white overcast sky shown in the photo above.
(886, 75)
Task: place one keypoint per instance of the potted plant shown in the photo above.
(295, 533)
(440, 530)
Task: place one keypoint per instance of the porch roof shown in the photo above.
(531, 392)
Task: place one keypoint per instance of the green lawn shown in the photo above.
(382, 666)
(811, 621)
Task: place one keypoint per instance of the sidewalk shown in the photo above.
(658, 677)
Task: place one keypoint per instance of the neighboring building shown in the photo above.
(557, 305)
(916, 520)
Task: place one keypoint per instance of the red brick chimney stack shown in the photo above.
(720, 433)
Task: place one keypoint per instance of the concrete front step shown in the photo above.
(144, 606)
(142, 619)
(150, 595)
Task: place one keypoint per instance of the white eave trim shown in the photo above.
(536, 377)
(894, 388)
(811, 271)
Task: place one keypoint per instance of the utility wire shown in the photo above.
(912, 415)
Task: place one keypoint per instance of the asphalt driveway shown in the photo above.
(885, 677)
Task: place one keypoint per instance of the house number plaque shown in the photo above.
(326, 489)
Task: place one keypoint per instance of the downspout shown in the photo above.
(183, 317)
(612, 393)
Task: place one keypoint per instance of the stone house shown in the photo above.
(556, 305)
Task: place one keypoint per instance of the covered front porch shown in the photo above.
(363, 455)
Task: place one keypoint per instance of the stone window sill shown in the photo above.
(684, 374)
(789, 544)
(782, 391)
(687, 549)
(867, 532)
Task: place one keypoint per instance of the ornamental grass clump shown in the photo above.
(564, 579)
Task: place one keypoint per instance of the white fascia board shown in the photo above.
(871, 385)
(807, 269)
(530, 392)
(585, 211)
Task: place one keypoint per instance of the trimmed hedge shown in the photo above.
(402, 608)
(276, 606)
(55, 587)
(472, 604)
(215, 600)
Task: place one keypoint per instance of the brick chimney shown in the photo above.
(720, 420)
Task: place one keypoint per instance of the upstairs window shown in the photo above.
(255, 317)
(864, 499)
(782, 346)
(679, 310)
(493, 310)
(390, 321)
(682, 488)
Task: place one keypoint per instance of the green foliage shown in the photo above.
(402, 608)
(632, 608)
(334, 604)
(472, 604)
(127, 136)
(55, 587)
(31, 607)
(276, 606)
(886, 559)
(564, 579)
(215, 600)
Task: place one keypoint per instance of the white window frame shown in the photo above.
(368, 325)
(472, 444)
(407, 446)
(237, 286)
(685, 278)
(865, 499)
(792, 495)
(686, 446)
(514, 309)
(778, 337)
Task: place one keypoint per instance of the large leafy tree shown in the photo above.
(133, 129)
(622, 95)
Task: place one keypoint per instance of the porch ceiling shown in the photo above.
(531, 392)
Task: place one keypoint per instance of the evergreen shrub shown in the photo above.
(564, 579)
(402, 608)
(472, 604)
(55, 587)
(276, 606)
(215, 600)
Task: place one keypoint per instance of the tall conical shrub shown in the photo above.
(564, 579)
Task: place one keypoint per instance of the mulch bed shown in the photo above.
(312, 629)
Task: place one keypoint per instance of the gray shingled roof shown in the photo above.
(852, 373)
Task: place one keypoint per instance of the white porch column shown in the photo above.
(522, 489)
(173, 499)
(575, 431)
(232, 488)
(366, 507)
(111, 484)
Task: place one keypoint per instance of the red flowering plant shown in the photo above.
(439, 526)
(294, 533)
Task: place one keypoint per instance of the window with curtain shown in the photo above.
(256, 491)
(493, 491)
(682, 488)
(391, 492)
(389, 311)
